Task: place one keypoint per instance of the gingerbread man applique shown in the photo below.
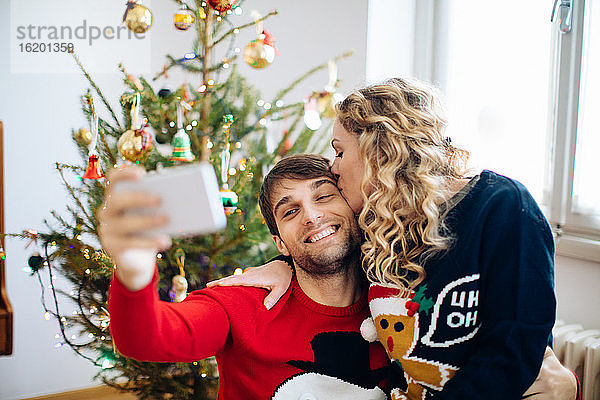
(395, 322)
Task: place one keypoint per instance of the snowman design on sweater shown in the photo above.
(400, 323)
(340, 370)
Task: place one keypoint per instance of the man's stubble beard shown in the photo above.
(329, 263)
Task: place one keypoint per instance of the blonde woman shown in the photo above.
(461, 267)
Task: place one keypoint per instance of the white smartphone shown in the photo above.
(190, 199)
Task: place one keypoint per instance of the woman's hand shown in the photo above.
(120, 231)
(554, 381)
(274, 276)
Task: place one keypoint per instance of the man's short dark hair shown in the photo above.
(297, 167)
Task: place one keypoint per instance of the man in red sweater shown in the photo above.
(307, 347)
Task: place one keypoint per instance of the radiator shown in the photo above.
(579, 350)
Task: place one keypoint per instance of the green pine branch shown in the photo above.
(243, 26)
(281, 94)
(97, 89)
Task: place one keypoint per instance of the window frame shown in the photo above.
(577, 235)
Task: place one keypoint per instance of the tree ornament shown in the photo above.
(83, 136)
(285, 147)
(93, 170)
(183, 19)
(131, 80)
(136, 82)
(178, 291)
(2, 254)
(185, 96)
(312, 118)
(326, 102)
(78, 226)
(179, 288)
(182, 147)
(136, 143)
(35, 262)
(188, 57)
(327, 98)
(260, 52)
(228, 197)
(181, 141)
(230, 200)
(162, 137)
(137, 17)
(164, 93)
(221, 5)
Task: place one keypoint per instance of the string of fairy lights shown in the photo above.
(106, 359)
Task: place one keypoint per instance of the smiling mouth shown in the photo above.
(328, 231)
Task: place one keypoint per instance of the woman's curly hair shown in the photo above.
(409, 165)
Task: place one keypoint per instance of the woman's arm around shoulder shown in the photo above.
(275, 276)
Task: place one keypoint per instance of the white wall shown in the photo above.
(390, 39)
(577, 291)
(39, 111)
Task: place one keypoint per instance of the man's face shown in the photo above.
(316, 225)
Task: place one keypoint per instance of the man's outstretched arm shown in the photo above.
(143, 327)
(147, 329)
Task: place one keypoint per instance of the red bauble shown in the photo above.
(221, 5)
(285, 147)
(93, 170)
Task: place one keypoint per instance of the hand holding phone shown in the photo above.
(189, 197)
(141, 212)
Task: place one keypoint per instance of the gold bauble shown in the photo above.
(183, 19)
(133, 145)
(326, 102)
(83, 136)
(258, 54)
(138, 18)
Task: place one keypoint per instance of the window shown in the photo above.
(521, 95)
(575, 200)
(496, 85)
(586, 194)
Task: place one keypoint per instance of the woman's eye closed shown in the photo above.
(326, 196)
(339, 155)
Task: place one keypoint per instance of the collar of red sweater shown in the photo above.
(350, 310)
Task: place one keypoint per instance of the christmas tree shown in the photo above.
(222, 121)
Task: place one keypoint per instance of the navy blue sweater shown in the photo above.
(477, 327)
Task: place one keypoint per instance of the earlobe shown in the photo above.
(280, 245)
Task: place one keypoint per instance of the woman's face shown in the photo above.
(347, 166)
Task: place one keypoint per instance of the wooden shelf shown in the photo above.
(6, 314)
